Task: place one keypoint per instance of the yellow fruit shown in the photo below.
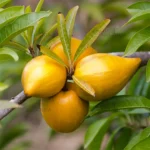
(58, 49)
(107, 74)
(43, 77)
(65, 111)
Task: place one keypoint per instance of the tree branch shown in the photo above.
(21, 97)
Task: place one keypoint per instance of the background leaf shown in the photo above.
(10, 52)
(143, 135)
(137, 40)
(121, 102)
(39, 6)
(148, 71)
(139, 6)
(20, 24)
(96, 131)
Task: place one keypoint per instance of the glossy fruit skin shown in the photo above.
(107, 74)
(58, 49)
(43, 77)
(65, 111)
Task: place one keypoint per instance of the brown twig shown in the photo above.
(21, 97)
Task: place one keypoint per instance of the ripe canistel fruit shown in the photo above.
(107, 74)
(43, 77)
(58, 49)
(65, 111)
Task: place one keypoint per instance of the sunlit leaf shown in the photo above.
(121, 102)
(39, 6)
(10, 13)
(70, 20)
(19, 25)
(84, 85)
(90, 37)
(137, 40)
(143, 135)
(53, 42)
(7, 104)
(139, 6)
(3, 86)
(96, 132)
(46, 36)
(10, 52)
(64, 36)
(51, 54)
(4, 2)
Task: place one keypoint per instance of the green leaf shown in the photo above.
(51, 54)
(139, 6)
(142, 15)
(3, 86)
(28, 9)
(46, 36)
(137, 40)
(110, 142)
(84, 85)
(96, 132)
(139, 111)
(70, 20)
(4, 2)
(90, 37)
(39, 6)
(123, 139)
(10, 134)
(53, 42)
(119, 103)
(10, 52)
(20, 24)
(7, 104)
(64, 36)
(148, 71)
(143, 135)
(10, 13)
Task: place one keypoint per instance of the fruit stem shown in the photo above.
(31, 51)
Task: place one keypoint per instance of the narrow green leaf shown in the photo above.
(3, 86)
(39, 6)
(121, 102)
(64, 36)
(145, 14)
(137, 40)
(137, 7)
(53, 42)
(51, 54)
(70, 20)
(84, 85)
(123, 139)
(20, 24)
(143, 135)
(28, 9)
(46, 36)
(7, 104)
(90, 37)
(9, 14)
(148, 71)
(4, 2)
(96, 132)
(110, 142)
(10, 52)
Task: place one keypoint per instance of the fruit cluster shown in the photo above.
(65, 92)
